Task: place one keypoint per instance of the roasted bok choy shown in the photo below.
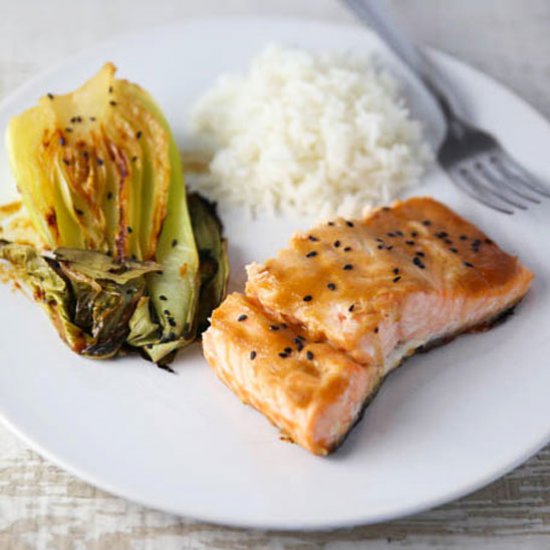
(101, 181)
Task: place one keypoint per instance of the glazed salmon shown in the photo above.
(359, 296)
(311, 391)
(381, 287)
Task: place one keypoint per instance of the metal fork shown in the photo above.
(474, 159)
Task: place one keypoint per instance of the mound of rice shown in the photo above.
(312, 135)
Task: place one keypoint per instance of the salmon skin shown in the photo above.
(371, 292)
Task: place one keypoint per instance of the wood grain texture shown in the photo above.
(43, 507)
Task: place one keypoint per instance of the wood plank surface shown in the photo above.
(43, 507)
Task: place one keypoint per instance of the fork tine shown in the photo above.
(499, 180)
(515, 171)
(473, 191)
(477, 180)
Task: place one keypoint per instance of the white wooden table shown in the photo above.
(44, 507)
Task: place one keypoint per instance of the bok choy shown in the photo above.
(100, 178)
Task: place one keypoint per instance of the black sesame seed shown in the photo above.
(134, 158)
(274, 328)
(414, 234)
(283, 355)
(337, 244)
(409, 243)
(376, 329)
(468, 264)
(447, 241)
(167, 368)
(129, 229)
(311, 254)
(420, 253)
(174, 243)
(299, 344)
(112, 103)
(441, 235)
(418, 262)
(390, 234)
(380, 247)
(110, 89)
(488, 241)
(331, 286)
(62, 141)
(288, 350)
(167, 312)
(426, 223)
(331, 224)
(347, 249)
(163, 298)
(99, 162)
(310, 355)
(348, 267)
(242, 318)
(396, 279)
(399, 233)
(396, 270)
(389, 247)
(453, 250)
(109, 196)
(351, 308)
(171, 322)
(308, 298)
(66, 162)
(349, 224)
(79, 212)
(463, 238)
(50, 95)
(313, 239)
(253, 355)
(92, 118)
(138, 134)
(68, 129)
(379, 240)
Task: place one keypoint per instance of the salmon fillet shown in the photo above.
(360, 296)
(383, 286)
(311, 391)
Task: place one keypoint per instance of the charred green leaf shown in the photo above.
(214, 262)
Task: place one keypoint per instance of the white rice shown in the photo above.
(311, 135)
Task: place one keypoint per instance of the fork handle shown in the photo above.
(377, 16)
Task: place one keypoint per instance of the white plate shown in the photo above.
(447, 423)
